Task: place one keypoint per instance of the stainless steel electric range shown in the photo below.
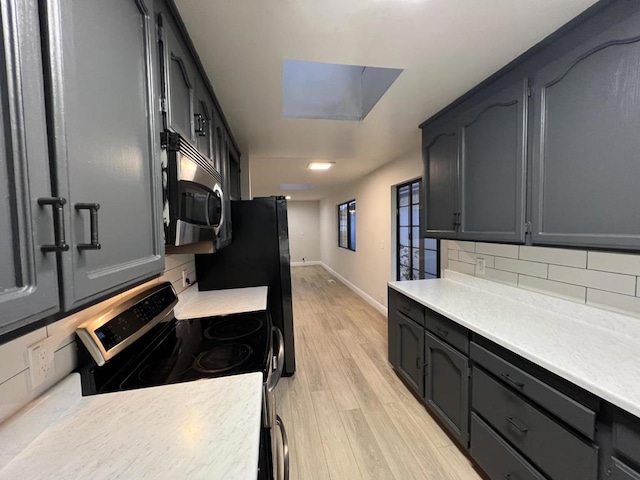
(139, 343)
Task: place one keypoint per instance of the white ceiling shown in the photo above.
(444, 46)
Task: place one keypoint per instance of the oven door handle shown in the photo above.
(275, 377)
(285, 447)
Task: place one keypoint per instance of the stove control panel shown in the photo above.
(123, 324)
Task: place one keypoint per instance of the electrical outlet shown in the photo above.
(41, 362)
(184, 277)
(480, 262)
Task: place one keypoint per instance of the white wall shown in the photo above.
(369, 268)
(15, 391)
(304, 230)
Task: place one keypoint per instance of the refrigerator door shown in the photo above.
(257, 256)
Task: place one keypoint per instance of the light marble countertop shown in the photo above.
(592, 348)
(193, 430)
(195, 304)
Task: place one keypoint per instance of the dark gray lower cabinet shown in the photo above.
(620, 471)
(410, 348)
(554, 450)
(447, 386)
(496, 457)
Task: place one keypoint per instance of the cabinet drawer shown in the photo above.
(565, 408)
(495, 456)
(626, 435)
(411, 309)
(619, 471)
(455, 335)
(552, 448)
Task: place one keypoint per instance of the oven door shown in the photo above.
(279, 441)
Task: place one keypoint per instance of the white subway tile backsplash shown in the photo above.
(613, 301)
(533, 269)
(500, 276)
(556, 256)
(452, 254)
(462, 267)
(497, 249)
(472, 258)
(614, 262)
(557, 289)
(611, 282)
(14, 353)
(460, 245)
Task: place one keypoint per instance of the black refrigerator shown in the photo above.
(258, 255)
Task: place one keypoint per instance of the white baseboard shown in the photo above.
(306, 264)
(365, 296)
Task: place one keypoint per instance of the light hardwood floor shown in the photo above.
(348, 416)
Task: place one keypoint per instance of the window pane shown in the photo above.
(431, 262)
(415, 211)
(404, 256)
(415, 237)
(416, 274)
(404, 273)
(404, 216)
(428, 276)
(415, 193)
(430, 243)
(404, 236)
(403, 196)
(342, 225)
(416, 257)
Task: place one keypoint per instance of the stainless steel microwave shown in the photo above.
(193, 198)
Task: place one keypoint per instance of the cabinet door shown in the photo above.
(28, 276)
(392, 328)
(447, 386)
(203, 121)
(178, 76)
(106, 136)
(410, 352)
(492, 167)
(585, 159)
(440, 183)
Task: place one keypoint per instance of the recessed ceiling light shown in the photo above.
(288, 197)
(320, 165)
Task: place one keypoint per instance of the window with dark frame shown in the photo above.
(416, 258)
(347, 225)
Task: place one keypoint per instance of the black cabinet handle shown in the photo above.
(512, 381)
(93, 209)
(454, 220)
(417, 363)
(442, 331)
(60, 244)
(520, 428)
(200, 124)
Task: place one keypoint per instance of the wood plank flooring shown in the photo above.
(348, 416)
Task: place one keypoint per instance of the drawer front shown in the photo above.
(568, 410)
(626, 435)
(496, 457)
(551, 447)
(411, 309)
(620, 471)
(455, 335)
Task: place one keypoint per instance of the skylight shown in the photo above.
(332, 92)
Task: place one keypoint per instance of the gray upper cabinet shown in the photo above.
(28, 277)
(105, 138)
(446, 386)
(586, 169)
(440, 150)
(178, 74)
(492, 167)
(203, 120)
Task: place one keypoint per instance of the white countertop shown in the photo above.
(592, 348)
(194, 430)
(196, 304)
